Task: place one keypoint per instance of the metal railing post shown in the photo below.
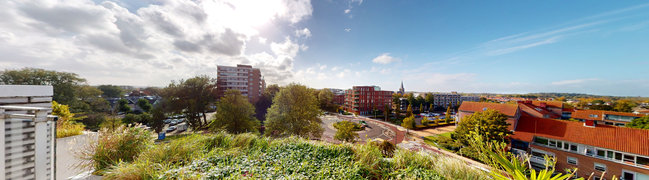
(42, 160)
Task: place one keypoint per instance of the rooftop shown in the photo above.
(611, 137)
(585, 114)
(507, 109)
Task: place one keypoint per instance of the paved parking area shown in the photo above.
(375, 130)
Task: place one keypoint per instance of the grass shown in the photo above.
(118, 146)
(249, 156)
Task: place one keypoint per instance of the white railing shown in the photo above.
(28, 142)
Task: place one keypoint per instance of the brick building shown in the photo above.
(618, 151)
(363, 99)
(244, 78)
(589, 146)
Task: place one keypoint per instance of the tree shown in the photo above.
(326, 100)
(490, 124)
(63, 83)
(111, 123)
(110, 91)
(129, 119)
(421, 107)
(425, 121)
(144, 105)
(386, 111)
(408, 122)
(430, 99)
(624, 106)
(294, 112)
(397, 113)
(430, 108)
(409, 110)
(264, 102)
(123, 106)
(420, 101)
(396, 99)
(157, 118)
(192, 97)
(640, 123)
(448, 114)
(411, 99)
(234, 114)
(345, 132)
(88, 100)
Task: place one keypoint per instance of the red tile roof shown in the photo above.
(611, 137)
(585, 114)
(538, 111)
(552, 104)
(507, 109)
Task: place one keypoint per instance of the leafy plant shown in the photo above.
(123, 144)
(345, 131)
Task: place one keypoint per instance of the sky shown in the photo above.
(594, 47)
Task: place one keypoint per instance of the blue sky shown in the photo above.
(512, 46)
(595, 47)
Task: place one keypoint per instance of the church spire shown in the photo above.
(402, 90)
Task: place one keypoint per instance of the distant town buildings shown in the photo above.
(592, 147)
(363, 100)
(245, 78)
(446, 99)
(469, 98)
(339, 96)
(402, 91)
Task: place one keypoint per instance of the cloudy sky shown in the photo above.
(596, 47)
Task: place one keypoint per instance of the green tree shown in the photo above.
(421, 107)
(640, 123)
(234, 114)
(430, 99)
(111, 123)
(624, 106)
(490, 124)
(157, 118)
(144, 105)
(129, 119)
(411, 99)
(345, 132)
(294, 112)
(408, 122)
(396, 99)
(326, 100)
(67, 124)
(123, 106)
(193, 97)
(264, 102)
(409, 111)
(397, 114)
(448, 114)
(420, 101)
(63, 83)
(430, 108)
(110, 91)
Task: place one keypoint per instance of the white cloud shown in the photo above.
(348, 29)
(304, 33)
(347, 11)
(384, 58)
(106, 43)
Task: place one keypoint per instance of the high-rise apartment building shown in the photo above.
(364, 99)
(244, 78)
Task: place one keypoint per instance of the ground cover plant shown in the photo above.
(250, 156)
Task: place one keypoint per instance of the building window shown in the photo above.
(601, 153)
(572, 160)
(642, 161)
(573, 147)
(541, 140)
(600, 167)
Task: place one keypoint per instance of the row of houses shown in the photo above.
(596, 143)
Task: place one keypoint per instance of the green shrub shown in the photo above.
(69, 129)
(123, 144)
(355, 126)
(448, 143)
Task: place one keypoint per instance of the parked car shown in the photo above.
(171, 128)
(182, 127)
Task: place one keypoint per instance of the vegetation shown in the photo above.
(144, 105)
(408, 122)
(346, 131)
(294, 112)
(122, 106)
(265, 101)
(121, 145)
(64, 83)
(110, 91)
(66, 125)
(491, 125)
(640, 123)
(248, 156)
(326, 100)
(234, 114)
(409, 111)
(191, 97)
(448, 114)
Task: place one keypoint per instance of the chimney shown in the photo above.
(590, 123)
